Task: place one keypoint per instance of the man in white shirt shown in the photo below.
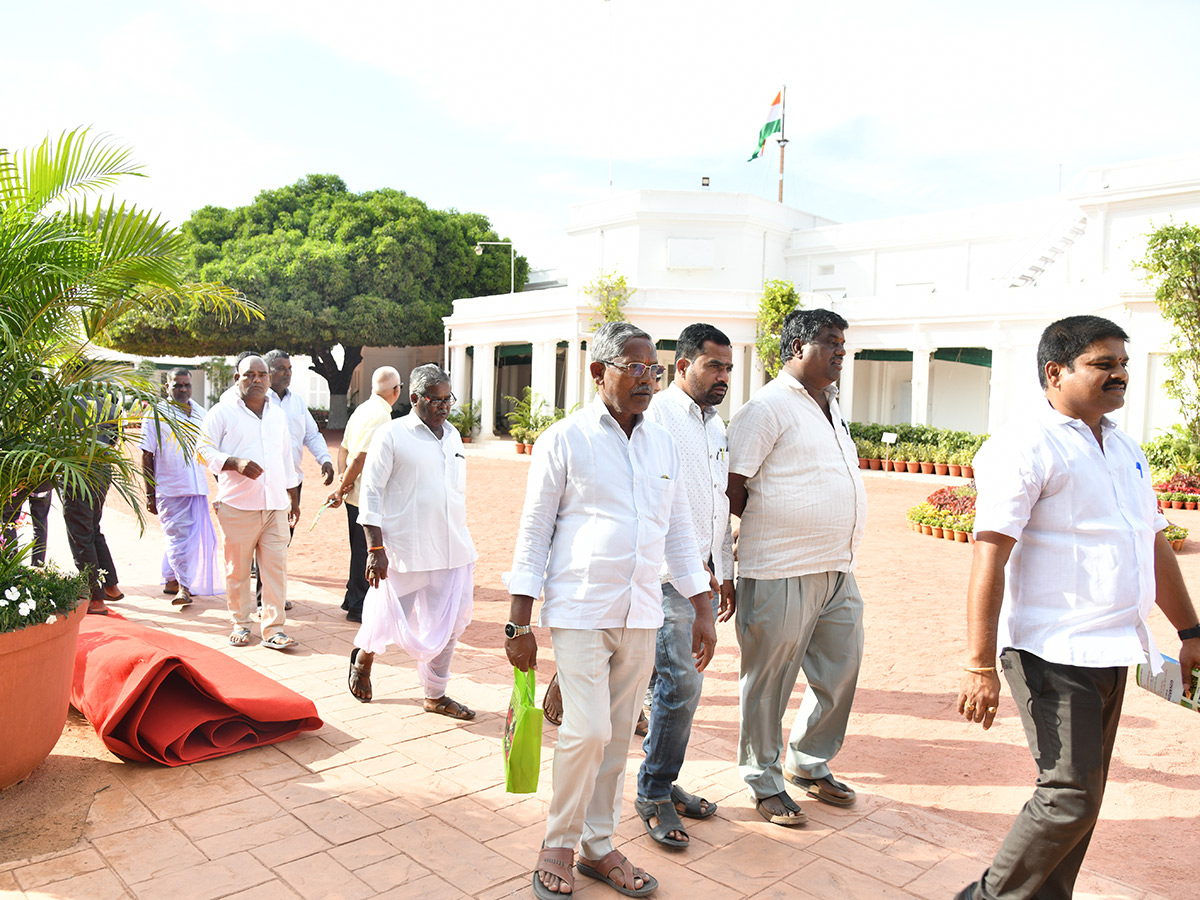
(177, 492)
(1069, 558)
(420, 556)
(244, 442)
(604, 506)
(356, 441)
(794, 481)
(688, 410)
(302, 427)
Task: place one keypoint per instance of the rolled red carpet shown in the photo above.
(156, 697)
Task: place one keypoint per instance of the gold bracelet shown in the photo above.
(979, 670)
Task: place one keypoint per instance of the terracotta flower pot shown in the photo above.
(1177, 545)
(953, 470)
(36, 665)
(1176, 504)
(864, 463)
(1189, 504)
(960, 536)
(968, 471)
(520, 447)
(926, 468)
(926, 529)
(948, 534)
(970, 537)
(940, 469)
(914, 466)
(876, 464)
(936, 531)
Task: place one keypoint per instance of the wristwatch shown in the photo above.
(512, 630)
(1189, 633)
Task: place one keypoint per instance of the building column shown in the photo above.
(483, 388)
(999, 387)
(737, 378)
(458, 372)
(574, 373)
(541, 379)
(758, 372)
(846, 388)
(920, 385)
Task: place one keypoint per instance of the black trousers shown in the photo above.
(39, 515)
(88, 546)
(1070, 714)
(356, 583)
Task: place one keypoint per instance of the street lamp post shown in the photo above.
(512, 260)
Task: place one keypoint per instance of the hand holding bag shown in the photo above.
(522, 737)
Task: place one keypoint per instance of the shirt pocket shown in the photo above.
(658, 495)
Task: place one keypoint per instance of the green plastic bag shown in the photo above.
(522, 737)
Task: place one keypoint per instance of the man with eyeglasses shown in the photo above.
(794, 481)
(420, 557)
(604, 507)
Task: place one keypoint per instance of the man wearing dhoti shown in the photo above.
(177, 492)
(420, 557)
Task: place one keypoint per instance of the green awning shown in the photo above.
(971, 356)
(884, 355)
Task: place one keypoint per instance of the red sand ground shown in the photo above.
(905, 740)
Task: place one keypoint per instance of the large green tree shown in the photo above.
(328, 267)
(1172, 266)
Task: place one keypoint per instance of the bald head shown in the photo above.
(385, 380)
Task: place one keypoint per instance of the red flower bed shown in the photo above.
(955, 500)
(1180, 483)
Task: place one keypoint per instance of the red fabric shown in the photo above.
(156, 697)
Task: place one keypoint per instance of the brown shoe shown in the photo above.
(97, 608)
(112, 592)
(171, 587)
(183, 597)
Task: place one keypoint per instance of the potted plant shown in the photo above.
(1190, 501)
(941, 459)
(70, 273)
(40, 612)
(1177, 500)
(518, 435)
(466, 419)
(875, 456)
(1175, 536)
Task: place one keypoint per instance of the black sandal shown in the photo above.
(668, 821)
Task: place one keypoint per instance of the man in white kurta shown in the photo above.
(420, 557)
(177, 492)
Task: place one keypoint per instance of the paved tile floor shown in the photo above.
(387, 801)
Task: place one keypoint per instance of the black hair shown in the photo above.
(804, 325)
(1064, 340)
(693, 338)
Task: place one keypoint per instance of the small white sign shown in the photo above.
(889, 437)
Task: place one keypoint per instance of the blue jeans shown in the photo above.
(676, 688)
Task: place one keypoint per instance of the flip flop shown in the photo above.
(279, 641)
(240, 637)
(827, 790)
(793, 814)
(360, 674)
(452, 708)
(693, 807)
(555, 861)
(668, 820)
(552, 690)
(602, 869)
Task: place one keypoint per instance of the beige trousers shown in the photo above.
(243, 531)
(602, 674)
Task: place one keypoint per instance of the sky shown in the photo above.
(520, 109)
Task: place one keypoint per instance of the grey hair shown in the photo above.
(180, 370)
(383, 376)
(611, 338)
(273, 355)
(422, 378)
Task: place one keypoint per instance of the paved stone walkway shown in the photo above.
(387, 801)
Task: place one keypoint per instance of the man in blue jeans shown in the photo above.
(687, 409)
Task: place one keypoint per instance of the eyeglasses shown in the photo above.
(637, 370)
(445, 402)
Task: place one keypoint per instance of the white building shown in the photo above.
(945, 309)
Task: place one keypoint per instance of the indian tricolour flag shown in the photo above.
(774, 124)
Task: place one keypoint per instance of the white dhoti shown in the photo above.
(191, 554)
(424, 613)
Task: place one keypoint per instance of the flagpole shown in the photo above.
(782, 139)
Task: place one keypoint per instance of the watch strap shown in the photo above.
(1189, 633)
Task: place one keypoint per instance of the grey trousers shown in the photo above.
(1070, 714)
(812, 622)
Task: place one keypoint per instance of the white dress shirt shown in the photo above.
(699, 436)
(175, 475)
(414, 488)
(602, 511)
(230, 429)
(806, 507)
(1080, 581)
(304, 432)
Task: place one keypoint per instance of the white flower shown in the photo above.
(13, 593)
(51, 619)
(24, 608)
(3, 603)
